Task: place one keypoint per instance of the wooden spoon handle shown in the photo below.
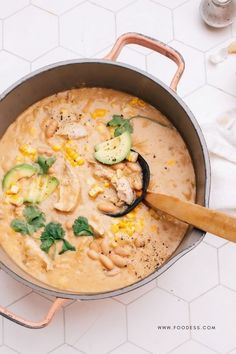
(203, 218)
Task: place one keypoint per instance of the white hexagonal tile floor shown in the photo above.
(144, 321)
(113, 5)
(8, 8)
(135, 294)
(219, 306)
(56, 7)
(5, 350)
(208, 103)
(172, 4)
(32, 38)
(227, 263)
(164, 68)
(1, 334)
(191, 347)
(203, 269)
(65, 349)
(129, 349)
(93, 319)
(8, 72)
(90, 39)
(56, 55)
(13, 290)
(222, 75)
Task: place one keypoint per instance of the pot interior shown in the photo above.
(89, 73)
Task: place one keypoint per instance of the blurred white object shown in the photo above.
(221, 142)
(217, 13)
(221, 136)
(220, 56)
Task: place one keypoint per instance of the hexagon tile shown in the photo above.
(93, 320)
(205, 273)
(144, 321)
(75, 35)
(200, 289)
(39, 32)
(219, 306)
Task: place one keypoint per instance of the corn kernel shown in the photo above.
(32, 131)
(98, 113)
(115, 228)
(171, 162)
(28, 150)
(56, 148)
(106, 184)
(14, 189)
(95, 190)
(19, 159)
(114, 244)
(131, 215)
(153, 228)
(137, 102)
(80, 162)
(132, 156)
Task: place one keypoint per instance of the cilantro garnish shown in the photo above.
(81, 227)
(45, 163)
(34, 220)
(21, 226)
(122, 125)
(52, 233)
(66, 247)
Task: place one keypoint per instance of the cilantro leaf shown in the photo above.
(53, 231)
(20, 226)
(34, 217)
(45, 163)
(115, 121)
(122, 125)
(81, 227)
(46, 244)
(66, 247)
(34, 220)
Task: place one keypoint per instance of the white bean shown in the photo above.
(118, 260)
(123, 252)
(105, 246)
(106, 262)
(94, 246)
(107, 207)
(92, 254)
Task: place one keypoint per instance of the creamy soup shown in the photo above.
(65, 163)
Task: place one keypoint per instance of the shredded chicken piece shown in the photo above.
(35, 250)
(104, 172)
(124, 190)
(72, 130)
(69, 190)
(119, 182)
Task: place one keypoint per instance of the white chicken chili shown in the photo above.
(70, 159)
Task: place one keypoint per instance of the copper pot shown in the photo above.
(107, 73)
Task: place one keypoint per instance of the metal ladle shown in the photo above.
(203, 218)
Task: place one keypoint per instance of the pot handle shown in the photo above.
(157, 46)
(30, 324)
